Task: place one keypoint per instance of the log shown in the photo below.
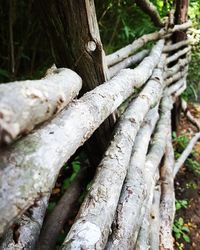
(151, 11)
(127, 219)
(191, 118)
(176, 68)
(93, 223)
(176, 46)
(25, 104)
(186, 153)
(154, 219)
(180, 90)
(178, 54)
(125, 52)
(30, 166)
(175, 87)
(62, 212)
(25, 232)
(177, 76)
(146, 179)
(167, 204)
(128, 62)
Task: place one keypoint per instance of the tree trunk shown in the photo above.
(74, 33)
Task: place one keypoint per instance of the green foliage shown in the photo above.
(180, 230)
(181, 204)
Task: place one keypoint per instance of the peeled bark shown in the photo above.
(128, 217)
(186, 153)
(61, 213)
(178, 54)
(93, 223)
(125, 52)
(167, 204)
(30, 166)
(25, 232)
(150, 10)
(128, 62)
(25, 104)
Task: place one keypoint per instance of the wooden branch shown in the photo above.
(61, 213)
(180, 90)
(176, 46)
(154, 219)
(178, 54)
(176, 68)
(167, 204)
(150, 10)
(25, 232)
(128, 62)
(186, 153)
(128, 216)
(177, 76)
(30, 166)
(25, 104)
(191, 118)
(175, 87)
(98, 209)
(125, 52)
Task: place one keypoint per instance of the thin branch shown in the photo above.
(176, 46)
(150, 10)
(178, 54)
(186, 153)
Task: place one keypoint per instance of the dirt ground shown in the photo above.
(187, 187)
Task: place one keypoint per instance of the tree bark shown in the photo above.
(25, 104)
(30, 166)
(93, 223)
(74, 33)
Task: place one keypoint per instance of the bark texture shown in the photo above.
(25, 104)
(97, 211)
(30, 166)
(73, 30)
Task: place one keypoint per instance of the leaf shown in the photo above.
(186, 238)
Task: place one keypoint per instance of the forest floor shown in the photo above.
(187, 188)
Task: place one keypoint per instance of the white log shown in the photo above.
(186, 153)
(127, 219)
(128, 62)
(177, 76)
(93, 223)
(167, 204)
(181, 89)
(154, 219)
(125, 52)
(24, 104)
(178, 54)
(27, 228)
(30, 166)
(176, 46)
(175, 87)
(177, 67)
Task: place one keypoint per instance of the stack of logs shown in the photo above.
(130, 203)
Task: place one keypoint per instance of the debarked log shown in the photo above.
(128, 62)
(125, 52)
(178, 54)
(175, 87)
(127, 240)
(181, 74)
(93, 223)
(176, 46)
(25, 231)
(24, 104)
(30, 166)
(127, 219)
(176, 68)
